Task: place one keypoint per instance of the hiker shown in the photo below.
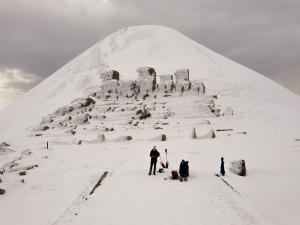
(222, 169)
(184, 170)
(153, 154)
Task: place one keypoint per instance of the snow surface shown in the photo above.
(55, 192)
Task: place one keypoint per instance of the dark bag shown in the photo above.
(162, 164)
(174, 175)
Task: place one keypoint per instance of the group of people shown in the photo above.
(183, 167)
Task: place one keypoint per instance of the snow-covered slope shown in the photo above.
(265, 132)
(126, 50)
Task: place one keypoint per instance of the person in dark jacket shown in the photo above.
(222, 169)
(154, 154)
(184, 170)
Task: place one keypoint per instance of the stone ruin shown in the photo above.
(146, 79)
(166, 83)
(147, 83)
(183, 80)
(110, 75)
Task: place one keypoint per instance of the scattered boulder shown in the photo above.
(13, 164)
(30, 167)
(238, 167)
(81, 119)
(163, 137)
(194, 135)
(2, 191)
(109, 129)
(88, 101)
(124, 138)
(101, 137)
(82, 102)
(212, 133)
(143, 114)
(139, 112)
(4, 144)
(45, 128)
(63, 110)
(22, 173)
(0, 180)
(128, 137)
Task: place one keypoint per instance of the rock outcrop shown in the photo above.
(239, 167)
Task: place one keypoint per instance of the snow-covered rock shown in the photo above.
(239, 167)
(146, 72)
(110, 75)
(182, 75)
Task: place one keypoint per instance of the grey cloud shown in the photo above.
(17, 80)
(20, 86)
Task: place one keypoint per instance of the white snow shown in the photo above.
(264, 117)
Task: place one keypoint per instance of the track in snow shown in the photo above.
(74, 209)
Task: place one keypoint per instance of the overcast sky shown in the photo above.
(37, 37)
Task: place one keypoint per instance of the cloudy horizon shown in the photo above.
(38, 36)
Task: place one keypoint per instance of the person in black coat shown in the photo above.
(222, 169)
(154, 154)
(184, 169)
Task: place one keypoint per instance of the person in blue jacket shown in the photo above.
(184, 170)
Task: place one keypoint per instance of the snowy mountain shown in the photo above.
(94, 125)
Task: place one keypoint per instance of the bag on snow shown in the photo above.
(174, 174)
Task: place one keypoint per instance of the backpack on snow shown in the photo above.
(174, 174)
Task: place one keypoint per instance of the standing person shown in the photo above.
(222, 169)
(154, 154)
(184, 170)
